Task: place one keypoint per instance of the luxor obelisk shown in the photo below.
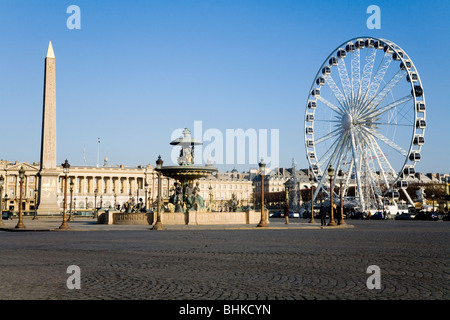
(48, 173)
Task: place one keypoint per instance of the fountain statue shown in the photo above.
(186, 193)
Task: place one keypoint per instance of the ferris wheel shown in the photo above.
(365, 117)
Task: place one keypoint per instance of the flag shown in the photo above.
(98, 140)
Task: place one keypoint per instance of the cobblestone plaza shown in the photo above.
(296, 261)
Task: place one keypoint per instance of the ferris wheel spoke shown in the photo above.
(342, 155)
(336, 91)
(371, 172)
(378, 158)
(357, 164)
(330, 105)
(329, 152)
(356, 74)
(331, 158)
(331, 121)
(328, 136)
(349, 172)
(386, 124)
(390, 143)
(345, 81)
(379, 76)
(376, 100)
(367, 72)
(380, 111)
(370, 189)
(383, 156)
(388, 87)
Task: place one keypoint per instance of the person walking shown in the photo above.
(323, 215)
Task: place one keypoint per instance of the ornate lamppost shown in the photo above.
(2, 181)
(341, 181)
(311, 181)
(286, 206)
(35, 204)
(331, 175)
(262, 168)
(64, 224)
(146, 196)
(71, 201)
(95, 204)
(432, 196)
(159, 225)
(20, 224)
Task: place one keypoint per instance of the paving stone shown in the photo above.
(198, 264)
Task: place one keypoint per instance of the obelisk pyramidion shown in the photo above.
(48, 173)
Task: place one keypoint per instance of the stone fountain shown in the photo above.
(186, 206)
(186, 196)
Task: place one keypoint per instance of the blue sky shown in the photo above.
(138, 70)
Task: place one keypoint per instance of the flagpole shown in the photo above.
(98, 152)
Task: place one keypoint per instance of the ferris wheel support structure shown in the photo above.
(366, 116)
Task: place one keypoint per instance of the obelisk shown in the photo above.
(48, 173)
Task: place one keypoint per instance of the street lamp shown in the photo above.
(64, 224)
(2, 181)
(341, 180)
(20, 224)
(35, 204)
(159, 225)
(433, 201)
(262, 168)
(146, 196)
(71, 201)
(95, 204)
(331, 175)
(286, 206)
(311, 181)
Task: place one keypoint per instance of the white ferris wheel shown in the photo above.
(365, 116)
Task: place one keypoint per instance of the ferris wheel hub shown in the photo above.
(347, 121)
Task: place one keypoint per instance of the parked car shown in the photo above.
(405, 216)
(358, 215)
(275, 214)
(280, 214)
(294, 214)
(377, 216)
(426, 216)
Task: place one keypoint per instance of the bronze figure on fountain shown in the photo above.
(186, 194)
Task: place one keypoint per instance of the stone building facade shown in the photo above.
(112, 186)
